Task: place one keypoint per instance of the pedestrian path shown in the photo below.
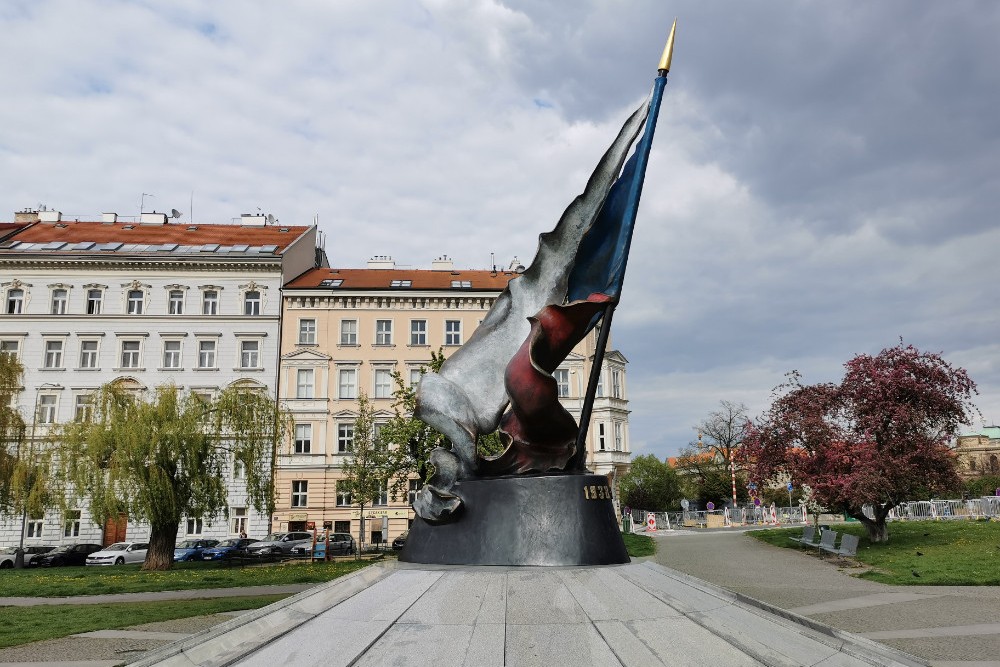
(157, 596)
(948, 626)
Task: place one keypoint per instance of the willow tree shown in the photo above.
(26, 486)
(167, 457)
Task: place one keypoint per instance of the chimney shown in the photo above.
(253, 220)
(49, 216)
(442, 263)
(109, 217)
(153, 218)
(381, 262)
(27, 215)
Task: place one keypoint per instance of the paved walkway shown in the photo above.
(950, 626)
(192, 594)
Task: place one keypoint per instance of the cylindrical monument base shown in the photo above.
(524, 520)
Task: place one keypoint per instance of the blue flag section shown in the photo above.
(599, 266)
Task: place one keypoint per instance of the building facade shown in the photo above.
(345, 331)
(142, 303)
(979, 454)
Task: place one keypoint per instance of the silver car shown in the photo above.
(119, 553)
(279, 543)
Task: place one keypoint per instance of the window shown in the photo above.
(34, 526)
(9, 347)
(47, 408)
(307, 332)
(249, 354)
(251, 303)
(418, 332)
(342, 526)
(15, 301)
(616, 384)
(300, 493)
(600, 437)
(343, 497)
(53, 354)
(171, 354)
(95, 300)
(383, 383)
(466, 284)
(71, 523)
(175, 302)
(133, 306)
(561, 376)
(348, 332)
(618, 437)
(348, 385)
(453, 332)
(414, 488)
(303, 438)
(383, 495)
(60, 298)
(239, 469)
(345, 438)
(600, 385)
(206, 354)
(210, 302)
(84, 408)
(194, 526)
(88, 354)
(130, 353)
(304, 383)
(383, 332)
(415, 375)
(239, 520)
(400, 283)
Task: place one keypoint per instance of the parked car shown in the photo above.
(31, 553)
(341, 544)
(67, 554)
(400, 541)
(279, 543)
(119, 553)
(230, 548)
(192, 549)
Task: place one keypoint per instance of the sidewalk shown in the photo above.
(950, 626)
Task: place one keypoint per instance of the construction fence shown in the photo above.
(987, 507)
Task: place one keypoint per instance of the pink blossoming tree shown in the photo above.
(880, 437)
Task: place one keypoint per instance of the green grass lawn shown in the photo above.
(64, 581)
(21, 625)
(639, 545)
(942, 553)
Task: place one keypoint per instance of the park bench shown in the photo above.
(808, 535)
(828, 541)
(848, 546)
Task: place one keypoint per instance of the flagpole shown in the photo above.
(579, 460)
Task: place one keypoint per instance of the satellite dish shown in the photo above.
(174, 213)
(270, 219)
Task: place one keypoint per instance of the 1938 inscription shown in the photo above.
(595, 492)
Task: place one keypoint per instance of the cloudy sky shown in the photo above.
(824, 180)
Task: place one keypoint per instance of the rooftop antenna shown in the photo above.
(174, 213)
(142, 202)
(493, 262)
(270, 218)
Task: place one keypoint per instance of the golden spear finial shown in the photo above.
(668, 51)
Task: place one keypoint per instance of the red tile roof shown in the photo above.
(179, 233)
(419, 279)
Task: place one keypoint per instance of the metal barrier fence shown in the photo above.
(987, 507)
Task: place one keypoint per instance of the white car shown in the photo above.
(119, 553)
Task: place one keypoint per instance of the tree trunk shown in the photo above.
(162, 540)
(877, 530)
(361, 532)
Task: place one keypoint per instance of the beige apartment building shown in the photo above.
(345, 331)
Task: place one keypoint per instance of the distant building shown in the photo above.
(346, 330)
(979, 454)
(143, 303)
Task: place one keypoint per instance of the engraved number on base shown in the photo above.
(594, 492)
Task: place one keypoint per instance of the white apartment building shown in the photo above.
(144, 303)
